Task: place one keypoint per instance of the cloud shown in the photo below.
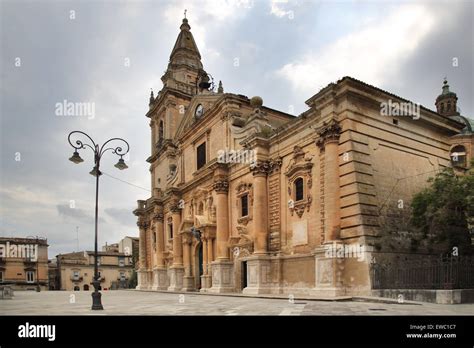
(122, 216)
(277, 8)
(206, 17)
(373, 54)
(77, 214)
(28, 195)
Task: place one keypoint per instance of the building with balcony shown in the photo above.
(24, 263)
(76, 270)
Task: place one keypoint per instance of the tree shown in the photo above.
(133, 282)
(444, 211)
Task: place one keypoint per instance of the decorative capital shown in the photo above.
(260, 168)
(174, 206)
(159, 217)
(274, 165)
(221, 186)
(142, 224)
(328, 132)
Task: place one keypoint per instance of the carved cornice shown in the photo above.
(232, 114)
(161, 147)
(299, 207)
(166, 92)
(255, 141)
(173, 192)
(328, 132)
(172, 151)
(243, 187)
(299, 164)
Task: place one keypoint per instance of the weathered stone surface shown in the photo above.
(251, 225)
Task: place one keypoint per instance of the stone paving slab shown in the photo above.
(295, 297)
(122, 302)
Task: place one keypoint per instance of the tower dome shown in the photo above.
(446, 102)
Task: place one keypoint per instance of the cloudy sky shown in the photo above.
(110, 53)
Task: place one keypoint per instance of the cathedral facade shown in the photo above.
(250, 199)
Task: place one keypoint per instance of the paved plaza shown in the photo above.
(131, 302)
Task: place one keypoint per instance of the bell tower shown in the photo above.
(185, 66)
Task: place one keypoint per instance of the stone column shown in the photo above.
(259, 264)
(177, 269)
(328, 143)
(188, 279)
(160, 278)
(210, 254)
(260, 204)
(204, 256)
(222, 267)
(160, 240)
(142, 273)
(329, 270)
(210, 258)
(222, 219)
(205, 262)
(177, 242)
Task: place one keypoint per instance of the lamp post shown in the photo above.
(98, 152)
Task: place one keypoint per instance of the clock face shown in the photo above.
(199, 111)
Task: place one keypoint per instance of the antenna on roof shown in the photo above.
(77, 238)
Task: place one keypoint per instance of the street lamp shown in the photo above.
(98, 152)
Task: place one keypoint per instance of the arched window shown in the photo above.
(299, 190)
(161, 131)
(449, 106)
(76, 288)
(86, 287)
(170, 230)
(244, 205)
(442, 107)
(458, 156)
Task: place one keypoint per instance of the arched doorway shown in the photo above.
(198, 269)
(200, 261)
(86, 287)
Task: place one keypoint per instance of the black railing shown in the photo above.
(453, 272)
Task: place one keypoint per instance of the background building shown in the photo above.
(53, 274)
(129, 246)
(24, 263)
(76, 270)
(111, 247)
